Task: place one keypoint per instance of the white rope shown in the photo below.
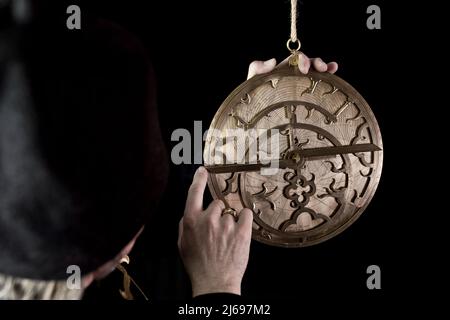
(294, 20)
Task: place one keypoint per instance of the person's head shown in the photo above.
(82, 163)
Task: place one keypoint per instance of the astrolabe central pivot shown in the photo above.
(303, 152)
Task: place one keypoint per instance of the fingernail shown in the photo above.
(321, 63)
(269, 62)
(302, 68)
(201, 170)
(305, 65)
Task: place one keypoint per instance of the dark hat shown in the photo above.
(82, 162)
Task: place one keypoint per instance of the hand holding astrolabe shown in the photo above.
(328, 152)
(326, 146)
(214, 247)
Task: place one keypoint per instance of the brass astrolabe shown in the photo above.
(303, 152)
(329, 154)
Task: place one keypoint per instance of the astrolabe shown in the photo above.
(303, 152)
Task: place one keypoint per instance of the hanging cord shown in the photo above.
(294, 59)
(294, 20)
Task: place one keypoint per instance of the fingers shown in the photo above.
(228, 219)
(215, 209)
(243, 225)
(228, 223)
(304, 63)
(194, 201)
(245, 220)
(319, 65)
(332, 67)
(259, 67)
(216, 206)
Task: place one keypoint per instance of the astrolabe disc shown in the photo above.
(303, 152)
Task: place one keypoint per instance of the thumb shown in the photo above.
(260, 67)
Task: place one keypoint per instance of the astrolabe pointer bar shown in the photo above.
(226, 168)
(309, 154)
(336, 150)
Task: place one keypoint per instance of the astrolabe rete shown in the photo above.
(303, 152)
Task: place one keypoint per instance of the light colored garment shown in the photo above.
(13, 288)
